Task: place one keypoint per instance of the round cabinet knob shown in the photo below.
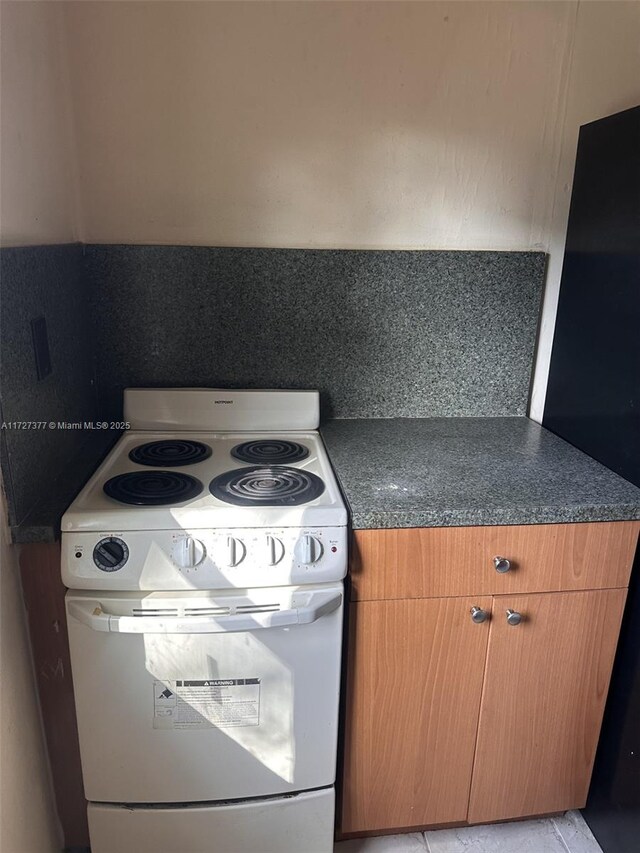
(308, 549)
(275, 550)
(513, 617)
(502, 564)
(110, 554)
(479, 615)
(188, 553)
(235, 551)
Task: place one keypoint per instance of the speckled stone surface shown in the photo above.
(43, 281)
(42, 522)
(447, 472)
(380, 333)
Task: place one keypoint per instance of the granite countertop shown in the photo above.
(448, 472)
(426, 472)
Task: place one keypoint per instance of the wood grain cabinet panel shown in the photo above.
(415, 679)
(44, 600)
(545, 686)
(444, 561)
(448, 721)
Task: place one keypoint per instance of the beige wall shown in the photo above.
(37, 158)
(28, 823)
(604, 78)
(36, 206)
(319, 124)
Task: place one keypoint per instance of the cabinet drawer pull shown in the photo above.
(479, 615)
(513, 617)
(502, 564)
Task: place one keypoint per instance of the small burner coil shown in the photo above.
(268, 451)
(153, 488)
(170, 453)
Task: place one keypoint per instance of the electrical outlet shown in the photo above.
(41, 347)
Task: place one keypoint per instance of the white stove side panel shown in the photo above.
(300, 824)
(183, 409)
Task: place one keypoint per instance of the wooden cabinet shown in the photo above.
(545, 686)
(453, 721)
(416, 686)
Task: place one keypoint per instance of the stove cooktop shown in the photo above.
(210, 489)
(155, 481)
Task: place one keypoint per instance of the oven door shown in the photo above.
(186, 697)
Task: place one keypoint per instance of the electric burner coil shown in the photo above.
(170, 453)
(153, 488)
(276, 485)
(270, 451)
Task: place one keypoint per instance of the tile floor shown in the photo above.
(566, 834)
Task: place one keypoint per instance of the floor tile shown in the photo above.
(531, 836)
(411, 843)
(576, 834)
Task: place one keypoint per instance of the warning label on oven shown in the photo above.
(216, 702)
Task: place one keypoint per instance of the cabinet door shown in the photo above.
(545, 687)
(415, 679)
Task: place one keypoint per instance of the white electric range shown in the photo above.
(204, 561)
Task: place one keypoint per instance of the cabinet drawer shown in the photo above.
(448, 561)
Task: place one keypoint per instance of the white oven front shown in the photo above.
(198, 697)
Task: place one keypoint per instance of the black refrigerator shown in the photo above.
(593, 402)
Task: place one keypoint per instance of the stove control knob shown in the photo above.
(308, 549)
(275, 550)
(188, 553)
(235, 551)
(110, 554)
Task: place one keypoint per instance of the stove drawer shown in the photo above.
(299, 824)
(450, 561)
(206, 696)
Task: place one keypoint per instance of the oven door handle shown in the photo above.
(90, 613)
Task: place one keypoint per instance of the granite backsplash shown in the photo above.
(380, 333)
(49, 282)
